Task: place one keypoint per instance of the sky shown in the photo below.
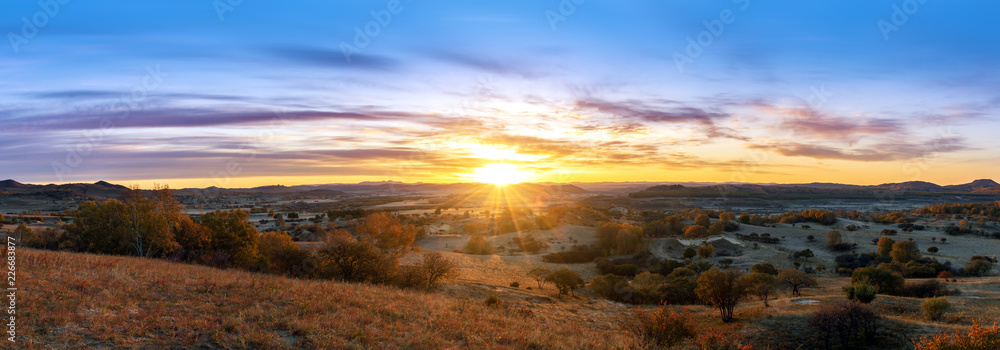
(235, 93)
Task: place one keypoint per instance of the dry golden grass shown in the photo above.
(89, 301)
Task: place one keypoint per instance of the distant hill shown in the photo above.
(911, 185)
(5, 184)
(823, 190)
(79, 190)
(981, 183)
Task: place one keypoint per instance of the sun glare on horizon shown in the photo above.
(500, 174)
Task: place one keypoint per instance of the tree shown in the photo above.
(22, 233)
(539, 274)
(767, 268)
(437, 267)
(722, 289)
(978, 267)
(716, 227)
(695, 231)
(796, 280)
(98, 228)
(193, 238)
(833, 238)
(885, 246)
(2, 219)
(963, 225)
(149, 219)
(284, 257)
(347, 259)
(387, 233)
(705, 251)
(760, 285)
(702, 220)
(233, 237)
(565, 280)
(904, 252)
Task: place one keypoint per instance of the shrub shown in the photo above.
(766, 268)
(977, 337)
(690, 253)
(612, 287)
(846, 320)
(887, 281)
(978, 267)
(719, 340)
(478, 245)
(575, 255)
(696, 231)
(679, 291)
(861, 292)
(515, 284)
(705, 250)
(932, 249)
(493, 301)
(662, 326)
(925, 289)
(934, 307)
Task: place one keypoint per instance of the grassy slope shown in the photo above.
(121, 302)
(84, 300)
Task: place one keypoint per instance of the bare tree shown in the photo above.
(437, 267)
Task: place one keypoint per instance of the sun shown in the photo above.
(500, 174)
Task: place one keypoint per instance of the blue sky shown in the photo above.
(260, 92)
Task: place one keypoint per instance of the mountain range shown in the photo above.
(106, 189)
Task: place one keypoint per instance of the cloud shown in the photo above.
(639, 110)
(332, 58)
(812, 123)
(189, 117)
(876, 153)
(506, 68)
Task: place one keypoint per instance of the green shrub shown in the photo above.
(861, 291)
(934, 307)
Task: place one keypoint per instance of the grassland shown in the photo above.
(89, 301)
